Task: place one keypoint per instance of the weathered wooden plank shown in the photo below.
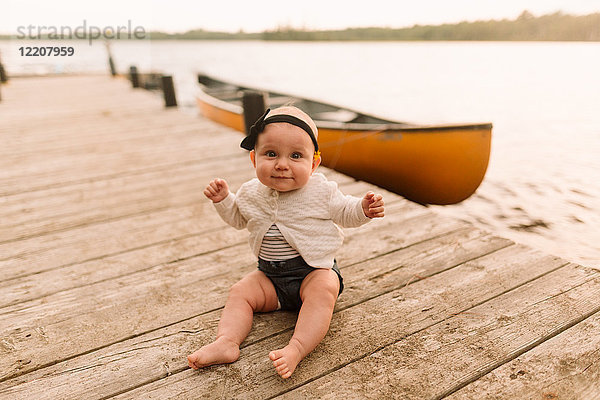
(127, 263)
(90, 135)
(41, 203)
(68, 323)
(424, 259)
(46, 203)
(78, 203)
(63, 96)
(150, 357)
(129, 204)
(439, 360)
(60, 172)
(48, 252)
(207, 139)
(189, 238)
(18, 114)
(164, 294)
(564, 367)
(29, 213)
(174, 197)
(78, 245)
(106, 196)
(52, 250)
(79, 237)
(47, 283)
(90, 123)
(359, 331)
(86, 127)
(91, 129)
(80, 196)
(128, 157)
(194, 138)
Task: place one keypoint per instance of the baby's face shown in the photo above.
(283, 157)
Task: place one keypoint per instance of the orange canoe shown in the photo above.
(428, 164)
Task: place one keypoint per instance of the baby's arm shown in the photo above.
(372, 205)
(349, 211)
(224, 201)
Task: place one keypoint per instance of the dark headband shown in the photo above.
(250, 141)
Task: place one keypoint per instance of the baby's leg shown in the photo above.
(254, 293)
(319, 293)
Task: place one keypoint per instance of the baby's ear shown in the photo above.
(253, 157)
(316, 161)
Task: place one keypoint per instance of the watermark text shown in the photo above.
(82, 31)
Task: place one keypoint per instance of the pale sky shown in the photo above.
(257, 16)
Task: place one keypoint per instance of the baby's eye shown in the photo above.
(270, 153)
(296, 155)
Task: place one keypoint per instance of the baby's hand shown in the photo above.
(217, 190)
(372, 205)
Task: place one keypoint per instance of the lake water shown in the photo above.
(542, 187)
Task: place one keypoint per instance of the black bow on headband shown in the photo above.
(250, 141)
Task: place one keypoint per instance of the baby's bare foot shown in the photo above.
(221, 351)
(285, 360)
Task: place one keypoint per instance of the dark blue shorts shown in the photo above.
(287, 276)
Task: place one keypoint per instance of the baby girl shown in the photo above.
(292, 214)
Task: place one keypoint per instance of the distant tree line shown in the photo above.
(552, 27)
(200, 34)
(527, 27)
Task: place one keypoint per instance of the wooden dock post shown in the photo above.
(254, 106)
(169, 91)
(111, 63)
(3, 75)
(134, 76)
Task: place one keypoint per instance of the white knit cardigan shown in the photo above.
(307, 217)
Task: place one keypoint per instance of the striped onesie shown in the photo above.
(274, 247)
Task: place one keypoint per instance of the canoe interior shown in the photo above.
(320, 112)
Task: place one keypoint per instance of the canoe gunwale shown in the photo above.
(399, 128)
(216, 102)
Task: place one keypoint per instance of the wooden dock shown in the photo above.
(114, 267)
